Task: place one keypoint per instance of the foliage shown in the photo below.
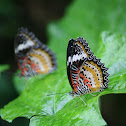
(10, 19)
(47, 103)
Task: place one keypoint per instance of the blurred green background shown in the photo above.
(36, 15)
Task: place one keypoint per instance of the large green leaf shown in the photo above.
(87, 19)
(49, 109)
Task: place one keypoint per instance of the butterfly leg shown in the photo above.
(83, 101)
(75, 100)
(85, 96)
(28, 88)
(93, 94)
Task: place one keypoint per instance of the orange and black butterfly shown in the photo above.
(85, 72)
(33, 56)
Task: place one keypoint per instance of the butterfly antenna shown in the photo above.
(75, 100)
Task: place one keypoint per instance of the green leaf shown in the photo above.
(47, 102)
(19, 82)
(49, 109)
(4, 67)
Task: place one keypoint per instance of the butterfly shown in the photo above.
(33, 57)
(86, 74)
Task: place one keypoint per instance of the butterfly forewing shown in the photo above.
(24, 41)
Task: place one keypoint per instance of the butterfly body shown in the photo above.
(33, 57)
(85, 72)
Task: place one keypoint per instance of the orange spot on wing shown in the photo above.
(22, 73)
(34, 66)
(81, 75)
(37, 70)
(86, 81)
(89, 85)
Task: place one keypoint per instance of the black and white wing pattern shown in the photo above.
(85, 72)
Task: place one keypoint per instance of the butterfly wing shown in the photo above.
(77, 52)
(24, 42)
(33, 56)
(42, 59)
(92, 77)
(78, 55)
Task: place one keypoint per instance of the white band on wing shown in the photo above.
(76, 57)
(22, 46)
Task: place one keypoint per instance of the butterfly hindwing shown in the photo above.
(44, 59)
(93, 76)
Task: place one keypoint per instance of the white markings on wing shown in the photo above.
(97, 71)
(46, 58)
(76, 57)
(92, 79)
(22, 46)
(38, 62)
